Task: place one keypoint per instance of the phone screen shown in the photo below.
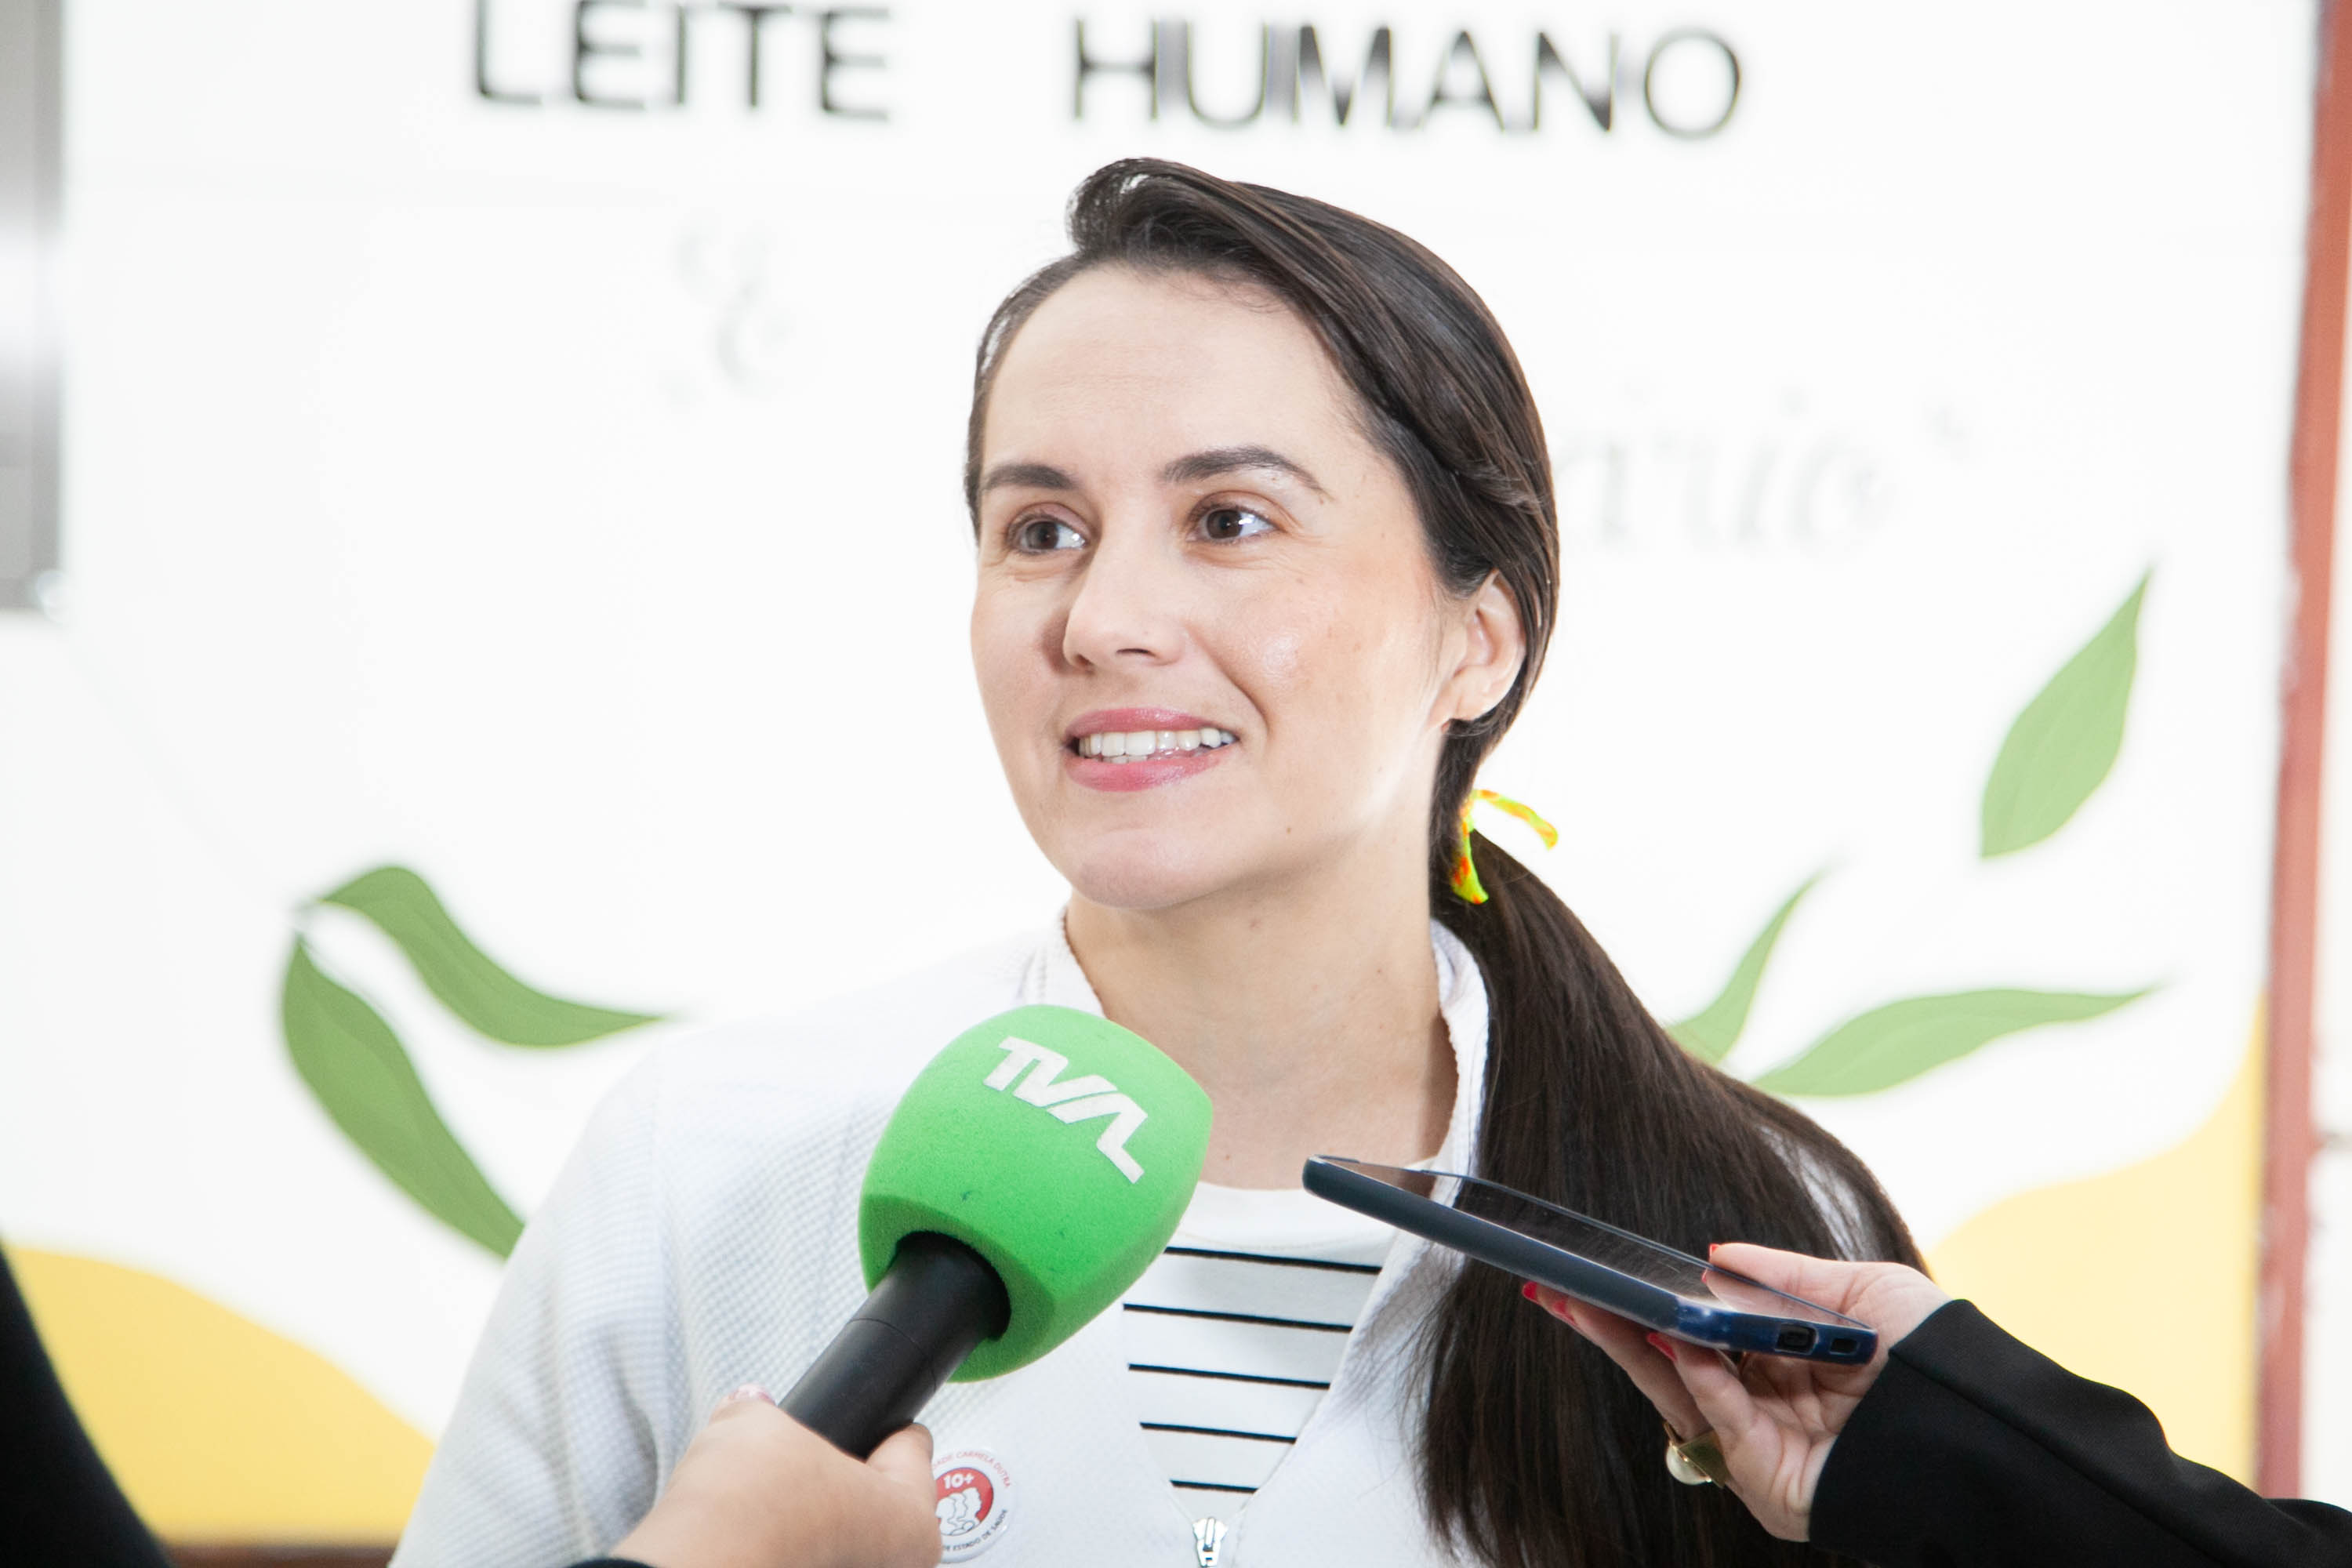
(1692, 1279)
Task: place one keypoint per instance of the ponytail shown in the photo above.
(1536, 1451)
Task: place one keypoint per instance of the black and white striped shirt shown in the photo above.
(1232, 1334)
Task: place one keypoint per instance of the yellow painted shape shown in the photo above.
(218, 1428)
(2142, 1277)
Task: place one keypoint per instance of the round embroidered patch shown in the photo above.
(975, 1502)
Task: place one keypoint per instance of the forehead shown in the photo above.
(1165, 362)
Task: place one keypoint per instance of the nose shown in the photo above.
(1124, 610)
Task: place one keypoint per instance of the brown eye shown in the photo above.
(1037, 535)
(1226, 522)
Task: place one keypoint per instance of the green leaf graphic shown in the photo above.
(1896, 1043)
(475, 988)
(361, 1075)
(1710, 1033)
(2061, 746)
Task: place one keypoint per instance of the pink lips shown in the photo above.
(1097, 772)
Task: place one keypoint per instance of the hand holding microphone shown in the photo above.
(1030, 1174)
(756, 1489)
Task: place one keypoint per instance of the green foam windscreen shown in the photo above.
(1061, 1147)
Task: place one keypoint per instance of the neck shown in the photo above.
(1309, 1012)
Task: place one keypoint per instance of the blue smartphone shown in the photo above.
(1655, 1286)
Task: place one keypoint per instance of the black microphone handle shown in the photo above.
(938, 1299)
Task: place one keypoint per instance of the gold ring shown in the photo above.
(1697, 1461)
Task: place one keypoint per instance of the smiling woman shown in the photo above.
(1267, 562)
(1248, 456)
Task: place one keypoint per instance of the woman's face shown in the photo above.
(1192, 557)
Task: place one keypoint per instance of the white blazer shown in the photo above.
(704, 1235)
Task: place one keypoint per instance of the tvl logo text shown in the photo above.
(1071, 1099)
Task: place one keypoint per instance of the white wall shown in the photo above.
(564, 501)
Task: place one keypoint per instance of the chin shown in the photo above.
(1145, 877)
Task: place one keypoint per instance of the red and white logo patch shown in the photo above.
(975, 1502)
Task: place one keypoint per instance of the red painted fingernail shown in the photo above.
(1712, 1246)
(1665, 1346)
(1529, 1289)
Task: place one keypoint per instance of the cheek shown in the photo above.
(1003, 659)
(1334, 668)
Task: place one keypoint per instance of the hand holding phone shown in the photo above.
(1773, 1418)
(1773, 1415)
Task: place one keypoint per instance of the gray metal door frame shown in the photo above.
(31, 179)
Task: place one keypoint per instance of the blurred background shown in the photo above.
(481, 518)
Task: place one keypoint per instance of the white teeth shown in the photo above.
(1119, 745)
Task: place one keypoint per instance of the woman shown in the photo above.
(1267, 564)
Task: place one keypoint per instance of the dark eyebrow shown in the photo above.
(1027, 476)
(1221, 460)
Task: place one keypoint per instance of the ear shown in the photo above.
(1493, 648)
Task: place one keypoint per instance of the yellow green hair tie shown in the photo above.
(1465, 877)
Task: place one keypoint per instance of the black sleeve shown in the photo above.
(1973, 1448)
(58, 1501)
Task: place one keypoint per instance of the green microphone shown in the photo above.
(1033, 1171)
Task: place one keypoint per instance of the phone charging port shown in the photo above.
(1795, 1338)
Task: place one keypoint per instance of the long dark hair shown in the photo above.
(1535, 1449)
